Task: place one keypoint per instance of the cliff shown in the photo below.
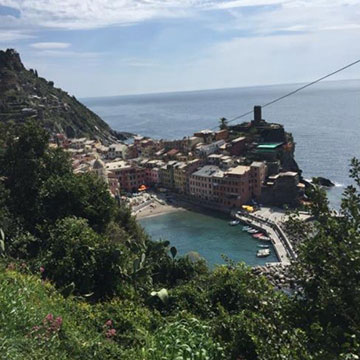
(24, 95)
(258, 131)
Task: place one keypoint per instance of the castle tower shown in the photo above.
(257, 115)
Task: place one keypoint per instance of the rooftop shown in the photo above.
(288, 173)
(215, 156)
(257, 164)
(241, 138)
(238, 170)
(172, 152)
(209, 171)
(116, 165)
(269, 146)
(117, 147)
(205, 132)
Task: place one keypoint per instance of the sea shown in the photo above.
(324, 120)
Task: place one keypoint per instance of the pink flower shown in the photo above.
(110, 333)
(41, 269)
(108, 323)
(49, 317)
(58, 321)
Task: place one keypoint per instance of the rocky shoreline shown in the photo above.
(278, 275)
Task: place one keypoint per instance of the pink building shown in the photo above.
(229, 188)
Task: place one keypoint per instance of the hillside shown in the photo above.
(24, 95)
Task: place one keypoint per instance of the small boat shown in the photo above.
(263, 253)
(264, 238)
(234, 222)
(246, 228)
(263, 246)
(252, 231)
(257, 235)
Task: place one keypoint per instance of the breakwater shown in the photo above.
(281, 243)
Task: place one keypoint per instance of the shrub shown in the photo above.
(186, 338)
(77, 256)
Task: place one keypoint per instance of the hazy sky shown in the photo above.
(113, 47)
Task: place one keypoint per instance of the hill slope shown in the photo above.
(24, 95)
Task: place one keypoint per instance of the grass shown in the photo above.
(37, 322)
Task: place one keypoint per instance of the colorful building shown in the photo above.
(229, 188)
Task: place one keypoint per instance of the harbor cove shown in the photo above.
(207, 234)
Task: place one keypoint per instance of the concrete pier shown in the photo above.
(281, 243)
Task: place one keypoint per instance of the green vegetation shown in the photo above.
(223, 123)
(25, 96)
(79, 278)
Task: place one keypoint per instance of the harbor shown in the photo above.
(209, 235)
(281, 244)
(161, 215)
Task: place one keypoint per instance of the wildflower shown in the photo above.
(49, 318)
(110, 333)
(108, 323)
(41, 269)
(58, 321)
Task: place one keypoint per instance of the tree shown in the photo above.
(84, 196)
(328, 269)
(75, 255)
(21, 166)
(25, 164)
(223, 123)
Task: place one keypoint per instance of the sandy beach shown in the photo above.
(160, 206)
(156, 209)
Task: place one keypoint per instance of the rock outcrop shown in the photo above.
(322, 181)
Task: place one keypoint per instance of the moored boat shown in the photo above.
(263, 253)
(264, 238)
(252, 231)
(263, 246)
(234, 222)
(246, 228)
(257, 235)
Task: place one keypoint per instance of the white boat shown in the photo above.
(264, 238)
(263, 246)
(234, 222)
(263, 253)
(252, 231)
(246, 228)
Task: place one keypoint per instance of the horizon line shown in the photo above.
(205, 90)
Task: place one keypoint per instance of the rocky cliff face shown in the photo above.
(24, 95)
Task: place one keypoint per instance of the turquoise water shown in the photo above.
(207, 234)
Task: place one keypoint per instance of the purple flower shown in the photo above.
(41, 269)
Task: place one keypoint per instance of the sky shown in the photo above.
(117, 47)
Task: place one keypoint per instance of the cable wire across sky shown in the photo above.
(293, 92)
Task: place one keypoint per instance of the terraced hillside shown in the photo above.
(24, 95)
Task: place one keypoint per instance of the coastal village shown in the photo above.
(235, 169)
(224, 170)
